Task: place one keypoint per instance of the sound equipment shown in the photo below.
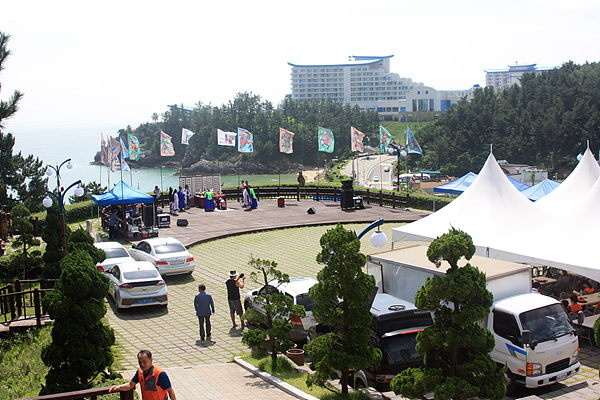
(149, 214)
(182, 222)
(311, 210)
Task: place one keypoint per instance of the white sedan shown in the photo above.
(168, 255)
(115, 254)
(135, 284)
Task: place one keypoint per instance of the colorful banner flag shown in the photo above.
(286, 141)
(124, 166)
(226, 138)
(186, 135)
(114, 149)
(356, 139)
(166, 146)
(384, 139)
(103, 151)
(411, 143)
(124, 151)
(245, 141)
(326, 140)
(134, 147)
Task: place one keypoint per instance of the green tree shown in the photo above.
(10, 107)
(278, 309)
(81, 343)
(25, 261)
(340, 296)
(455, 348)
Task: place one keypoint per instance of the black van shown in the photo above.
(394, 330)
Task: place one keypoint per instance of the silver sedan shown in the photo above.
(136, 284)
(168, 255)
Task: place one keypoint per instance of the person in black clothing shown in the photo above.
(234, 284)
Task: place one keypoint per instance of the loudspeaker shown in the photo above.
(182, 222)
(311, 210)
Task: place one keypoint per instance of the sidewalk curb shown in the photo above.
(286, 387)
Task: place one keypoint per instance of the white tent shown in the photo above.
(490, 210)
(506, 225)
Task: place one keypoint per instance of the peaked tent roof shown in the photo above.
(457, 186)
(490, 210)
(540, 189)
(575, 187)
(122, 193)
(519, 185)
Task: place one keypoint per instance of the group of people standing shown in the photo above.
(249, 199)
(179, 200)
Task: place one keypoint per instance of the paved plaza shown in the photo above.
(204, 370)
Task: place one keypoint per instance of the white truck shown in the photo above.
(533, 335)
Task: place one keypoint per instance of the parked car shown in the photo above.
(115, 254)
(168, 255)
(376, 178)
(136, 284)
(297, 289)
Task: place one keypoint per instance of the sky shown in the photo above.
(91, 67)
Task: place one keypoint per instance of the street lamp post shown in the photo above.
(47, 202)
(399, 152)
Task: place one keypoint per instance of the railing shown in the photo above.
(321, 193)
(82, 394)
(15, 302)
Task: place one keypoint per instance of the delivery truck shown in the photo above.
(533, 335)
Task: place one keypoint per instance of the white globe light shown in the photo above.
(78, 191)
(390, 150)
(403, 153)
(579, 157)
(47, 202)
(49, 172)
(69, 165)
(378, 239)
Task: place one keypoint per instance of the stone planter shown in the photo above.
(296, 355)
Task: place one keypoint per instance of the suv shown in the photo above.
(297, 289)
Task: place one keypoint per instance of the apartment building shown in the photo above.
(503, 78)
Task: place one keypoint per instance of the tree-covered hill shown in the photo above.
(544, 122)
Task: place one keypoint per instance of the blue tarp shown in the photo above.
(122, 193)
(461, 184)
(540, 189)
(457, 186)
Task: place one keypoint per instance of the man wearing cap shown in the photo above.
(234, 284)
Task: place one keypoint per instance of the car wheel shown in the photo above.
(247, 305)
(511, 384)
(359, 384)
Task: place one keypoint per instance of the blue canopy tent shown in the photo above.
(540, 189)
(122, 193)
(461, 184)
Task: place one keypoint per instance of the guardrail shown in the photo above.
(82, 394)
(27, 304)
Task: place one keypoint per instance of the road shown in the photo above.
(369, 171)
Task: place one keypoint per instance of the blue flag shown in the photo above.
(124, 151)
(245, 141)
(411, 143)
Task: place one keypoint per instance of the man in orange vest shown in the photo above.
(154, 382)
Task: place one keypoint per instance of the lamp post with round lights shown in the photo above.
(378, 238)
(399, 151)
(47, 202)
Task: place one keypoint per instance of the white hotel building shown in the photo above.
(503, 78)
(367, 82)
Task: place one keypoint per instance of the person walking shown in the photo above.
(205, 307)
(154, 382)
(253, 198)
(234, 284)
(113, 224)
(245, 196)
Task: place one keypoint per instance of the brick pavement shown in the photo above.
(171, 333)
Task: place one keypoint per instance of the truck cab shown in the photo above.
(535, 339)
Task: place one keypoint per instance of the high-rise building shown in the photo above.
(366, 81)
(503, 78)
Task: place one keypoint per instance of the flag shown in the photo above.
(286, 141)
(246, 141)
(166, 147)
(124, 151)
(114, 150)
(226, 138)
(326, 140)
(103, 151)
(411, 143)
(124, 166)
(356, 139)
(186, 135)
(384, 139)
(134, 147)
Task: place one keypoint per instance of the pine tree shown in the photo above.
(455, 348)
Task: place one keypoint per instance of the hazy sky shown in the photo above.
(101, 66)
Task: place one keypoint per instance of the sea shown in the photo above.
(53, 145)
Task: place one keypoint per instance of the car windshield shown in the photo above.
(143, 274)
(546, 323)
(306, 301)
(116, 253)
(400, 349)
(169, 248)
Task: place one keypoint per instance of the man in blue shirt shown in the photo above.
(205, 307)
